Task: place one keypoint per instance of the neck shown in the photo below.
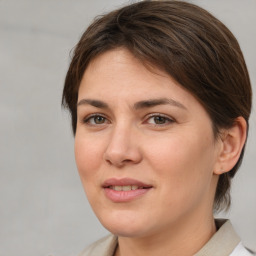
(185, 238)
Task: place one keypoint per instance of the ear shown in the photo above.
(232, 142)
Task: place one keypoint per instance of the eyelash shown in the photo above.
(167, 119)
(87, 119)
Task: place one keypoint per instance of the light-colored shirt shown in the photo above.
(240, 251)
(225, 242)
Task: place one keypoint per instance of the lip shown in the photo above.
(125, 196)
(124, 182)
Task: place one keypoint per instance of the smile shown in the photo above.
(124, 190)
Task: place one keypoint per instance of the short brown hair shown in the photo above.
(186, 42)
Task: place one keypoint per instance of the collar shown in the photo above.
(223, 242)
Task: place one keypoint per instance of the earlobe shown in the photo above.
(232, 140)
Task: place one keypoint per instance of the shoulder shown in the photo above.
(104, 247)
(240, 251)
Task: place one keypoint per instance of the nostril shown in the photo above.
(127, 161)
(115, 162)
(122, 155)
(108, 161)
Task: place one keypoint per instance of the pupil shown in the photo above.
(159, 120)
(99, 119)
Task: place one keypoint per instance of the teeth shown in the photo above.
(117, 188)
(124, 188)
(127, 188)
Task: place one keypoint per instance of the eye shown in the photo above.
(95, 120)
(158, 119)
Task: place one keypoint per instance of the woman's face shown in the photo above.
(144, 147)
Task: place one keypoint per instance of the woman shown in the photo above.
(160, 99)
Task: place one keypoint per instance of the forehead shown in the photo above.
(118, 74)
(122, 68)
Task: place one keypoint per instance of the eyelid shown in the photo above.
(168, 118)
(86, 119)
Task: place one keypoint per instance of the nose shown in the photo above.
(123, 147)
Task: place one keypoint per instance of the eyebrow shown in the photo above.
(138, 105)
(94, 103)
(155, 102)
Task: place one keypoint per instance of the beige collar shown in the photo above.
(223, 242)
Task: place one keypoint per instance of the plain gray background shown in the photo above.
(43, 209)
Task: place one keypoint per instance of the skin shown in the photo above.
(176, 153)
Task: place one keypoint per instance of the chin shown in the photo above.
(127, 231)
(124, 225)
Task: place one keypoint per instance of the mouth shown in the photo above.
(125, 190)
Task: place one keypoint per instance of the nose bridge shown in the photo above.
(121, 134)
(123, 145)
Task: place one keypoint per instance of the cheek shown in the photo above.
(183, 164)
(184, 150)
(88, 155)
